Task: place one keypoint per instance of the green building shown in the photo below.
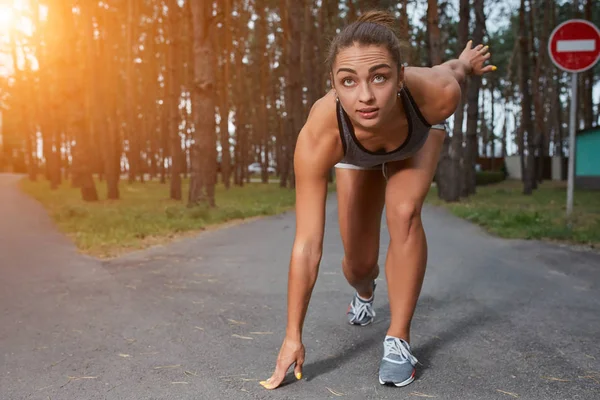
(587, 158)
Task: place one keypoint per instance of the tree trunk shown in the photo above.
(529, 173)
(473, 107)
(293, 80)
(262, 58)
(133, 152)
(456, 150)
(203, 151)
(492, 130)
(433, 32)
(226, 103)
(443, 173)
(588, 82)
(174, 93)
(107, 94)
(88, 75)
(536, 63)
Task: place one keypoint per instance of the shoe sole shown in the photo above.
(406, 382)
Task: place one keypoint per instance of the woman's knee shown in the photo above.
(360, 267)
(402, 218)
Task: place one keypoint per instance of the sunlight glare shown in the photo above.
(6, 17)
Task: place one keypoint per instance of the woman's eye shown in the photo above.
(379, 78)
(347, 82)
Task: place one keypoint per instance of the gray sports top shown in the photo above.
(356, 154)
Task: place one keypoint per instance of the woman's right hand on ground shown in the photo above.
(292, 353)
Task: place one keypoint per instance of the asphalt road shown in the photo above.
(203, 318)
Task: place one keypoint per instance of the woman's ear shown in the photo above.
(401, 77)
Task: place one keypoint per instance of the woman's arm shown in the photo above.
(437, 89)
(470, 61)
(311, 170)
(317, 149)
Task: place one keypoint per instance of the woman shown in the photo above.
(380, 127)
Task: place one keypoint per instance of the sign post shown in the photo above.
(574, 46)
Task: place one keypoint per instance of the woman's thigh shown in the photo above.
(409, 180)
(361, 196)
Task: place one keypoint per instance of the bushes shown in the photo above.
(487, 177)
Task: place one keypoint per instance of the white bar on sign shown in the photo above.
(575, 45)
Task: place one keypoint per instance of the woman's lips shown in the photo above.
(368, 113)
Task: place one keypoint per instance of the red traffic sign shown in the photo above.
(574, 45)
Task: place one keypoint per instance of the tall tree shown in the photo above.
(173, 84)
(442, 176)
(203, 148)
(526, 121)
(473, 108)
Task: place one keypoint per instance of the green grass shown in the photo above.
(503, 210)
(145, 215)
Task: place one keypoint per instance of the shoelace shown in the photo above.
(397, 347)
(361, 310)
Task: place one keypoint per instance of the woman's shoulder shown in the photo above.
(323, 113)
(321, 124)
(320, 134)
(436, 95)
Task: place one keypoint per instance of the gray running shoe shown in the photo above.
(398, 364)
(360, 312)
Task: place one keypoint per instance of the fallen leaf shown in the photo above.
(124, 355)
(419, 394)
(593, 378)
(333, 392)
(167, 366)
(551, 378)
(190, 373)
(233, 321)
(242, 337)
(508, 393)
(200, 329)
(76, 378)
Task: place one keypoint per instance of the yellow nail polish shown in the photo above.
(299, 375)
(494, 68)
(263, 383)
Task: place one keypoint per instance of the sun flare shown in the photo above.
(11, 14)
(7, 17)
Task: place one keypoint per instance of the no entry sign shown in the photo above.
(574, 45)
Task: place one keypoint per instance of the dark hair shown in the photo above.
(372, 27)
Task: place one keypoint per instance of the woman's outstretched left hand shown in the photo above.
(475, 57)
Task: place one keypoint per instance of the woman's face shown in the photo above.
(366, 82)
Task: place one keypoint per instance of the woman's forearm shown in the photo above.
(304, 267)
(459, 69)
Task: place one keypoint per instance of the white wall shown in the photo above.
(513, 167)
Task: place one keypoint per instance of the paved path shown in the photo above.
(203, 318)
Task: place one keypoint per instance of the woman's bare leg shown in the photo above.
(408, 183)
(361, 196)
